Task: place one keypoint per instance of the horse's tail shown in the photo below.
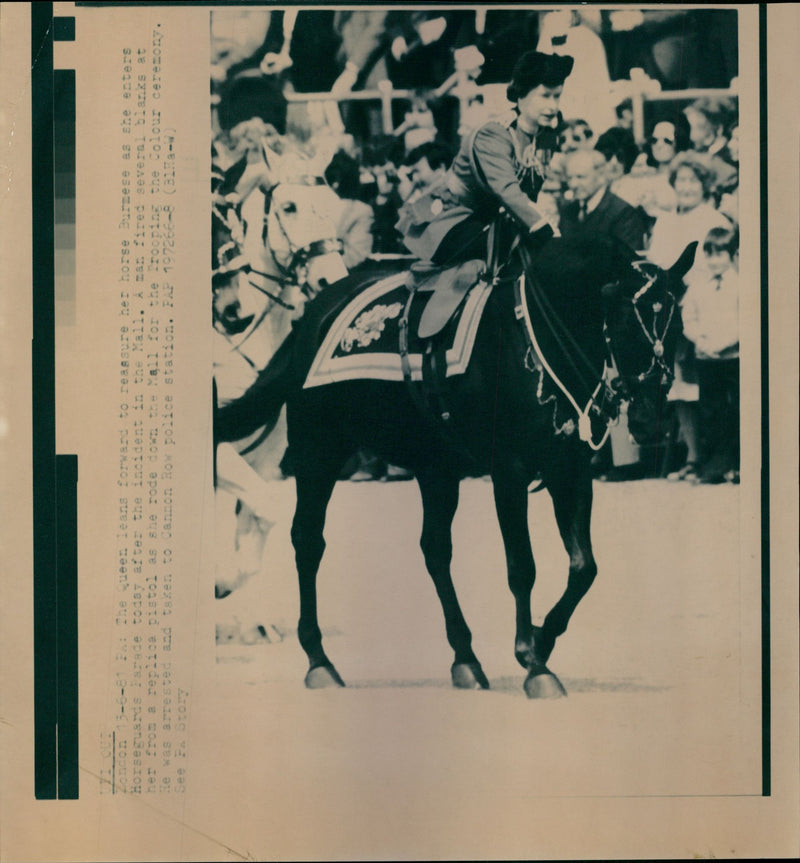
(261, 404)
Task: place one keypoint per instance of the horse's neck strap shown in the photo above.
(535, 360)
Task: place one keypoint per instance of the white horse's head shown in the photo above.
(301, 222)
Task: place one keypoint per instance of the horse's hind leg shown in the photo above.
(571, 492)
(439, 502)
(511, 504)
(315, 482)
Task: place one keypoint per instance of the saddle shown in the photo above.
(448, 287)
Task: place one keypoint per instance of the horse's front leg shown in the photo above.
(439, 501)
(511, 503)
(315, 484)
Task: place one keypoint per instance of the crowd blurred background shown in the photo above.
(672, 157)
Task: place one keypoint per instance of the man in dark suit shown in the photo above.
(594, 210)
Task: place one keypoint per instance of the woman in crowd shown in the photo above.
(355, 219)
(649, 187)
(692, 179)
(576, 134)
(709, 119)
(501, 164)
(620, 151)
(379, 189)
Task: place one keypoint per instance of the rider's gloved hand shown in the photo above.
(541, 235)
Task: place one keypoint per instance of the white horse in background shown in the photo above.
(260, 288)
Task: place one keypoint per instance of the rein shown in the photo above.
(534, 357)
(604, 394)
(572, 350)
(535, 360)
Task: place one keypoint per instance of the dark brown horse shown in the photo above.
(591, 307)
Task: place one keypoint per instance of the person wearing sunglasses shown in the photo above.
(649, 187)
(662, 146)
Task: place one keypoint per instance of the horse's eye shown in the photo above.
(289, 207)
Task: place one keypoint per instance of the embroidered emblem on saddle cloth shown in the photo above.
(363, 341)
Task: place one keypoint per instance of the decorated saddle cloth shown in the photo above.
(363, 340)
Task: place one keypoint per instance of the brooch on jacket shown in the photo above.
(536, 159)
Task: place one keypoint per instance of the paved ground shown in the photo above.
(661, 664)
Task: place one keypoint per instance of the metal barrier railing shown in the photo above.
(644, 89)
(461, 85)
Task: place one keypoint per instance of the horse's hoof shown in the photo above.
(323, 677)
(468, 675)
(544, 684)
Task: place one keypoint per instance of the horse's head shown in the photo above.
(642, 325)
(228, 264)
(227, 237)
(301, 223)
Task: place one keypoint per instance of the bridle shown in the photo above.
(299, 255)
(655, 337)
(610, 390)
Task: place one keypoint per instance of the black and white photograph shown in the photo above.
(451, 512)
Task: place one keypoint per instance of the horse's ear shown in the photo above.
(232, 175)
(272, 158)
(684, 263)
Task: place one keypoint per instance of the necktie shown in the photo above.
(581, 211)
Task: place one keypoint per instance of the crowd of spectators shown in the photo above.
(680, 185)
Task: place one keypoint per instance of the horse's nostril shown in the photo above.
(323, 283)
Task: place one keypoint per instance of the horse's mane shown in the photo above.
(564, 282)
(579, 267)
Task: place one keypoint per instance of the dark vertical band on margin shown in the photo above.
(766, 680)
(64, 166)
(67, 576)
(64, 28)
(55, 502)
(45, 639)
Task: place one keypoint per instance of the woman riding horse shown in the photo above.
(501, 164)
